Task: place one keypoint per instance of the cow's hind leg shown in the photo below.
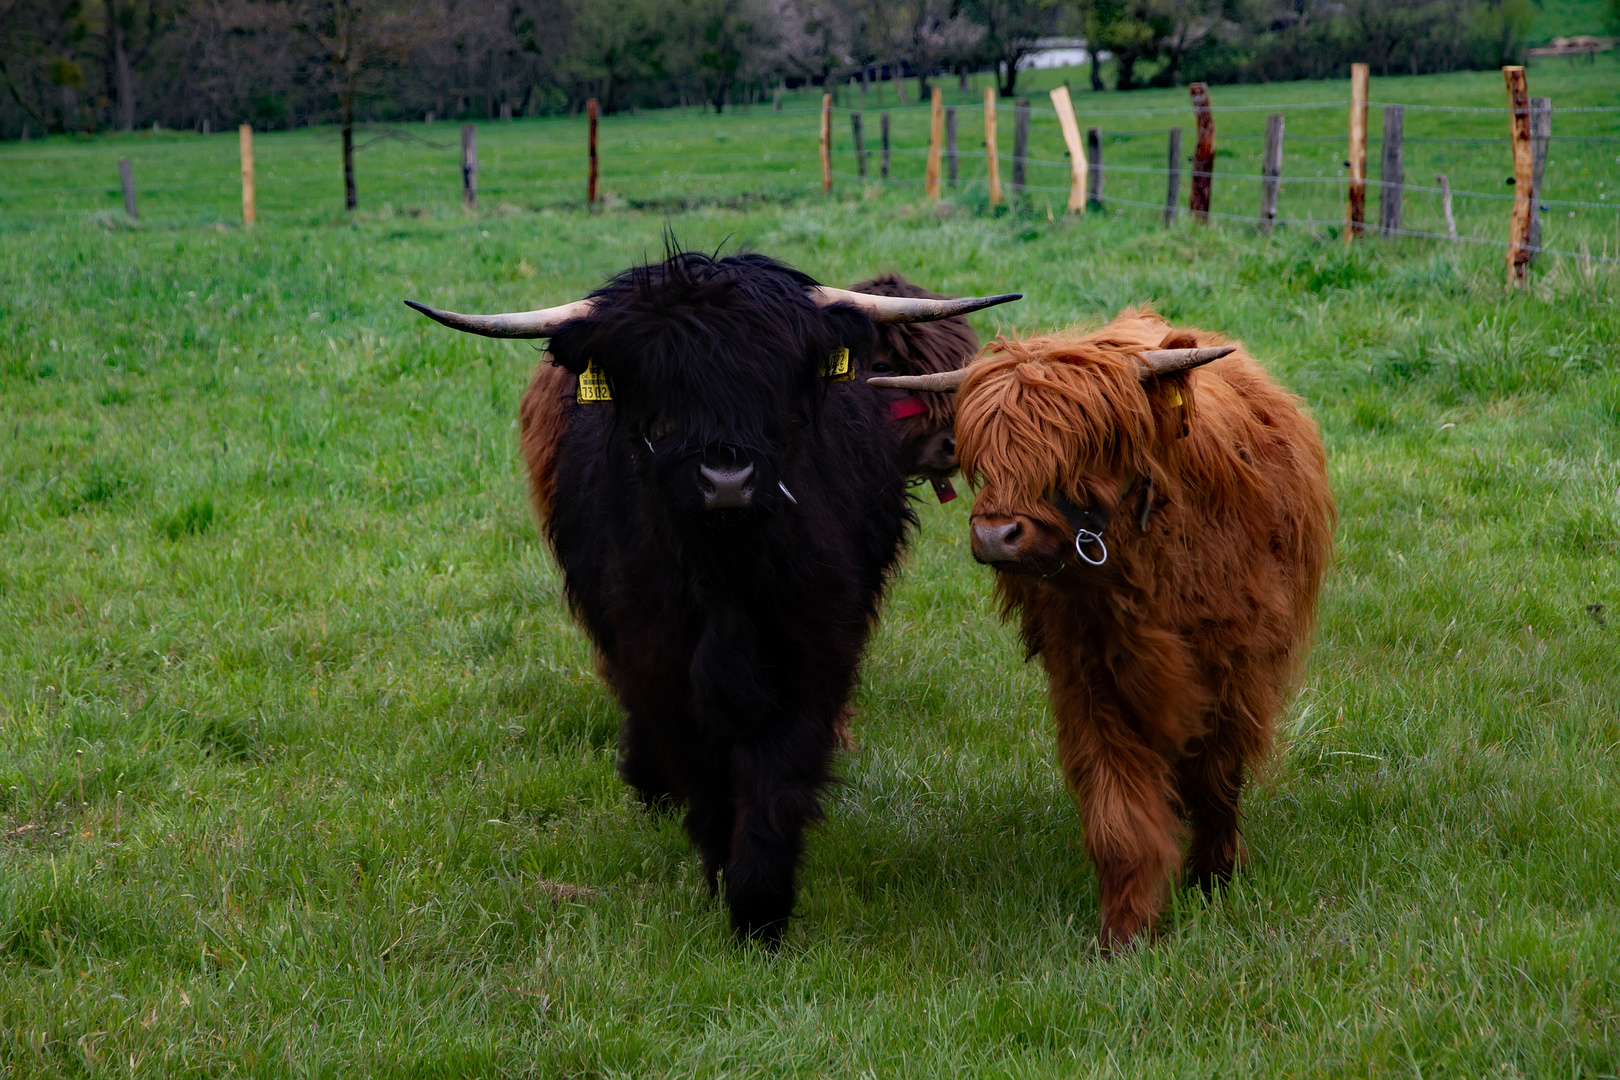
(710, 811)
(1212, 790)
(777, 786)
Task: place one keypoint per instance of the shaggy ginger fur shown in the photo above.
(1168, 664)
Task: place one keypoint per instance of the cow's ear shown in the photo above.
(1171, 396)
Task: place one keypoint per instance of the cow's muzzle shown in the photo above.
(726, 488)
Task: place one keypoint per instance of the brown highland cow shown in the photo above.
(1161, 533)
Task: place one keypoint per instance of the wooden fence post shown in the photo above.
(1172, 187)
(884, 167)
(826, 143)
(126, 177)
(1355, 206)
(469, 164)
(1020, 145)
(250, 209)
(1077, 153)
(991, 154)
(936, 136)
(776, 99)
(1271, 171)
(593, 114)
(1524, 173)
(1094, 167)
(950, 146)
(860, 144)
(1540, 136)
(1392, 176)
(1203, 155)
(1445, 204)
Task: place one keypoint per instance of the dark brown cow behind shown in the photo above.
(1161, 533)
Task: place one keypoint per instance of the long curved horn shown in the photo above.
(1160, 362)
(908, 309)
(940, 382)
(521, 324)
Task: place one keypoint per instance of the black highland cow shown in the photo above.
(726, 520)
(924, 421)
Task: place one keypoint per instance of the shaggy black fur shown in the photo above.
(927, 440)
(731, 637)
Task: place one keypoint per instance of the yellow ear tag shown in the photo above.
(593, 385)
(837, 368)
(1175, 396)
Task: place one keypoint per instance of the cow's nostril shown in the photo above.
(950, 445)
(997, 543)
(726, 489)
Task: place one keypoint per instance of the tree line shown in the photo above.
(87, 65)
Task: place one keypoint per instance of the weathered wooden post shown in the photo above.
(126, 177)
(991, 154)
(250, 209)
(860, 144)
(1393, 174)
(593, 175)
(1077, 153)
(1172, 186)
(1355, 205)
(1094, 168)
(1445, 204)
(469, 165)
(1524, 173)
(883, 169)
(1203, 154)
(1540, 136)
(826, 143)
(1020, 144)
(936, 138)
(950, 146)
(1271, 171)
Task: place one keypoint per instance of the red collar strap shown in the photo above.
(906, 407)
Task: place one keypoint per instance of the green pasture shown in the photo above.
(672, 160)
(304, 770)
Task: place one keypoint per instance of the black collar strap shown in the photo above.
(1090, 524)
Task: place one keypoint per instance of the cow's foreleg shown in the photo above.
(777, 786)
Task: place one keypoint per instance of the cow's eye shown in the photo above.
(880, 368)
(658, 427)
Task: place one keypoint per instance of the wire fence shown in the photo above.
(665, 160)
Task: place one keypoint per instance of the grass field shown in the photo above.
(304, 771)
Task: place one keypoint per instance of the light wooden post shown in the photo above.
(1172, 185)
(826, 143)
(860, 144)
(936, 138)
(1203, 154)
(250, 209)
(991, 156)
(1020, 144)
(1355, 205)
(469, 166)
(1445, 204)
(950, 147)
(883, 166)
(1524, 173)
(1540, 136)
(1271, 171)
(1077, 153)
(1094, 168)
(126, 177)
(593, 176)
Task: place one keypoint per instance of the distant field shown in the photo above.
(670, 160)
(305, 772)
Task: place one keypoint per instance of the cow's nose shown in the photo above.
(949, 446)
(996, 543)
(726, 489)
